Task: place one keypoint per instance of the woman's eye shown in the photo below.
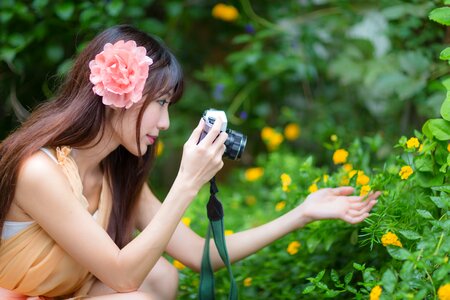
(162, 102)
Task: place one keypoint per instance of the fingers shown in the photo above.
(195, 135)
(374, 196)
(356, 219)
(213, 132)
(343, 190)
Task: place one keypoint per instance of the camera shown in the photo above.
(236, 141)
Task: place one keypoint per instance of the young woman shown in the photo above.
(73, 184)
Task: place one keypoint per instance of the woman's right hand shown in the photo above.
(202, 160)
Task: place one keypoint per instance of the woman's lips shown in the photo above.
(151, 139)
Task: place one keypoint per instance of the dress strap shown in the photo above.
(49, 153)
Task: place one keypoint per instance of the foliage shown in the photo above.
(334, 69)
(400, 252)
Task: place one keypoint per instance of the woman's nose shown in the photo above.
(164, 120)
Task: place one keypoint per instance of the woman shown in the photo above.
(73, 184)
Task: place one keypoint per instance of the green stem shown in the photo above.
(238, 100)
(252, 15)
(441, 239)
(432, 283)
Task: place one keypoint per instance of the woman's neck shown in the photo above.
(88, 158)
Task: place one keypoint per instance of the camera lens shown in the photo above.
(235, 144)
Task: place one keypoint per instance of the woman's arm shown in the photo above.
(44, 193)
(187, 246)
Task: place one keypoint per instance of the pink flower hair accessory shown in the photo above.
(119, 73)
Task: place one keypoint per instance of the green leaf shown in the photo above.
(5, 16)
(334, 275)
(331, 293)
(348, 278)
(398, 252)
(322, 285)
(445, 54)
(424, 163)
(309, 289)
(358, 266)
(7, 54)
(440, 273)
(446, 83)
(406, 271)
(114, 7)
(440, 15)
(440, 202)
(440, 129)
(426, 129)
(351, 289)
(410, 235)
(445, 108)
(39, 5)
(319, 276)
(425, 214)
(429, 179)
(64, 10)
(389, 280)
(444, 188)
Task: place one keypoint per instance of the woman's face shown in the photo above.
(154, 119)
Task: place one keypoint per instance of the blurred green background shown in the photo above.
(301, 79)
(344, 68)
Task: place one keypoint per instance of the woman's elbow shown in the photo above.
(124, 286)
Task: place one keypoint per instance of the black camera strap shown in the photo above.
(215, 216)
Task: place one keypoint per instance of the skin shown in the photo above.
(138, 271)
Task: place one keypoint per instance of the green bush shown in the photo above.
(400, 252)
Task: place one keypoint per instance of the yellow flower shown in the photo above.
(444, 292)
(271, 137)
(250, 200)
(186, 221)
(248, 281)
(280, 205)
(312, 188)
(347, 167)
(448, 147)
(390, 238)
(333, 138)
(325, 178)
(405, 172)
(253, 174)
(352, 173)
(375, 293)
(365, 189)
(225, 12)
(421, 148)
(293, 247)
(267, 133)
(340, 156)
(412, 143)
(292, 131)
(285, 181)
(159, 148)
(177, 264)
(345, 180)
(362, 178)
(228, 232)
(275, 141)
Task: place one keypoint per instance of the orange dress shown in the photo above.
(32, 264)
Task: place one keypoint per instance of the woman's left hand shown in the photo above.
(335, 203)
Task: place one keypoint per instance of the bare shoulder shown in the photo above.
(38, 172)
